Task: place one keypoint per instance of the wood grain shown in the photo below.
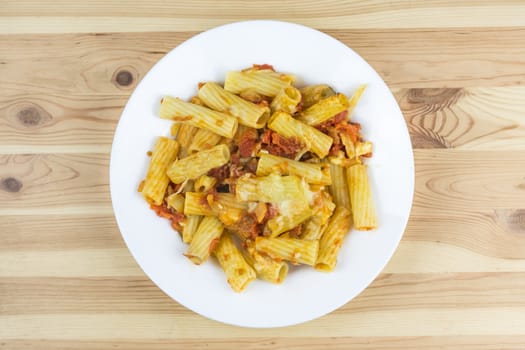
(410, 257)
(457, 279)
(74, 182)
(80, 181)
(58, 232)
(87, 98)
(435, 257)
(389, 293)
(32, 123)
(461, 179)
(498, 233)
(257, 343)
(472, 118)
(504, 321)
(229, 8)
(108, 262)
(476, 118)
(482, 57)
(495, 233)
(141, 16)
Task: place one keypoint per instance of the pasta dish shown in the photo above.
(259, 173)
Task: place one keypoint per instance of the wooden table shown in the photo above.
(457, 281)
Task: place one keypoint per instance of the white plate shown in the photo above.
(313, 57)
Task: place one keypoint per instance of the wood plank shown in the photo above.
(470, 118)
(72, 181)
(139, 16)
(492, 233)
(391, 292)
(489, 241)
(69, 263)
(228, 8)
(85, 120)
(75, 295)
(478, 180)
(410, 257)
(435, 257)
(473, 118)
(388, 293)
(451, 58)
(446, 180)
(496, 233)
(58, 232)
(103, 57)
(416, 58)
(498, 321)
(478, 342)
(42, 123)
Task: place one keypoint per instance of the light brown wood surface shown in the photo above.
(457, 280)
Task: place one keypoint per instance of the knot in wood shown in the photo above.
(11, 184)
(29, 116)
(124, 78)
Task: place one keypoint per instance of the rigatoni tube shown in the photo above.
(266, 267)
(286, 100)
(314, 93)
(270, 189)
(287, 126)
(291, 214)
(265, 82)
(223, 205)
(204, 240)
(249, 114)
(297, 251)
(156, 182)
(312, 229)
(324, 109)
(314, 173)
(238, 272)
(198, 116)
(339, 188)
(363, 208)
(189, 227)
(203, 140)
(332, 239)
(198, 163)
